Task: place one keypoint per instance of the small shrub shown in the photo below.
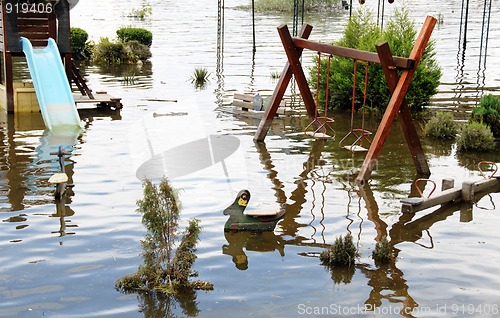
(137, 51)
(166, 269)
(141, 13)
(112, 53)
(141, 35)
(342, 253)
(382, 252)
(488, 112)
(80, 48)
(476, 137)
(442, 125)
(107, 52)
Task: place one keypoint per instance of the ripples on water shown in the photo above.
(62, 260)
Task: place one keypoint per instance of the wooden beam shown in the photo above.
(298, 72)
(400, 62)
(279, 91)
(395, 102)
(408, 127)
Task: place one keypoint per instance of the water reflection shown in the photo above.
(239, 242)
(159, 305)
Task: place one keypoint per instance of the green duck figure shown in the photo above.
(255, 220)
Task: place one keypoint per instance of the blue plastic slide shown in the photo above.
(53, 92)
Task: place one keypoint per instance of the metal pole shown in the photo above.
(253, 24)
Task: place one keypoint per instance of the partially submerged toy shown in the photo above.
(259, 219)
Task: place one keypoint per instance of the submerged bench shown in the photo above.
(450, 194)
(255, 103)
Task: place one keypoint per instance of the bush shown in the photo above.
(111, 53)
(363, 33)
(488, 112)
(168, 259)
(442, 125)
(107, 52)
(476, 137)
(137, 51)
(342, 253)
(382, 252)
(79, 46)
(143, 36)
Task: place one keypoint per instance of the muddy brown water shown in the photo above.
(61, 260)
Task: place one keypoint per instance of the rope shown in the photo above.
(364, 97)
(327, 85)
(353, 95)
(317, 84)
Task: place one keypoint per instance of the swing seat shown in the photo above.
(322, 126)
(359, 134)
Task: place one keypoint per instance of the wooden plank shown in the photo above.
(243, 97)
(279, 92)
(442, 197)
(318, 135)
(395, 102)
(242, 104)
(401, 62)
(34, 36)
(470, 188)
(355, 148)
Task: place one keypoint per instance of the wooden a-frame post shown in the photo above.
(398, 85)
(398, 88)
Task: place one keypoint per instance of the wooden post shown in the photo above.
(296, 66)
(279, 90)
(395, 102)
(408, 127)
(9, 82)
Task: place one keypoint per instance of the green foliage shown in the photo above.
(112, 53)
(200, 77)
(163, 270)
(488, 112)
(287, 5)
(342, 253)
(382, 252)
(141, 35)
(141, 13)
(107, 52)
(80, 48)
(363, 33)
(442, 125)
(137, 51)
(476, 136)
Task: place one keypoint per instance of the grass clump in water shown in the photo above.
(166, 269)
(442, 125)
(200, 77)
(382, 252)
(476, 136)
(342, 253)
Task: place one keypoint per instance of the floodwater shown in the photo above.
(62, 259)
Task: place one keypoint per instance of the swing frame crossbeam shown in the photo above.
(398, 83)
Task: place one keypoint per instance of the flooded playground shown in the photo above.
(62, 259)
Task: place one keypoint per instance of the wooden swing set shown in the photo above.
(398, 73)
